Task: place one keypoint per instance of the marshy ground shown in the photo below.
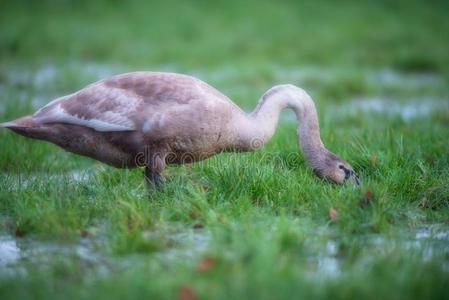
(237, 226)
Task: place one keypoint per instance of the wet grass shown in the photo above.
(256, 225)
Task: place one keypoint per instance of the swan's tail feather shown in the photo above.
(24, 122)
(25, 126)
(8, 124)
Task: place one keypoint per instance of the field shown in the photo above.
(257, 225)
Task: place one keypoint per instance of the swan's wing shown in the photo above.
(126, 102)
(101, 106)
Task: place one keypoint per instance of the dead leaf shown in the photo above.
(333, 214)
(186, 292)
(206, 264)
(84, 233)
(198, 226)
(19, 232)
(367, 198)
(373, 159)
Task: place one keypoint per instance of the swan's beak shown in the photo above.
(350, 175)
(355, 179)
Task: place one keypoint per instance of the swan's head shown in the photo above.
(336, 170)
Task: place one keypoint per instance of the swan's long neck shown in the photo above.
(262, 122)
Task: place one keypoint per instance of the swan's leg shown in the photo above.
(153, 171)
(154, 178)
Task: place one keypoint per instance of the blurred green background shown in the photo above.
(405, 35)
(241, 225)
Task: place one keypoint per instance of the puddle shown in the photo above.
(190, 244)
(379, 77)
(42, 82)
(81, 175)
(432, 241)
(324, 259)
(407, 111)
(391, 108)
(427, 243)
(18, 253)
(26, 180)
(9, 251)
(389, 77)
(327, 262)
(47, 74)
(37, 86)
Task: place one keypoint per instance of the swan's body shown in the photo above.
(151, 119)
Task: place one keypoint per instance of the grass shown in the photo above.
(253, 225)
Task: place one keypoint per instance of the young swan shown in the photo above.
(150, 119)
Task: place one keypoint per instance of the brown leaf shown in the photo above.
(186, 292)
(373, 159)
(206, 264)
(19, 232)
(333, 214)
(367, 198)
(198, 226)
(84, 233)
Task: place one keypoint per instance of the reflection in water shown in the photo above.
(27, 180)
(327, 262)
(389, 107)
(9, 252)
(191, 244)
(323, 259)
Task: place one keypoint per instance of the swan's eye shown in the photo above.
(341, 167)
